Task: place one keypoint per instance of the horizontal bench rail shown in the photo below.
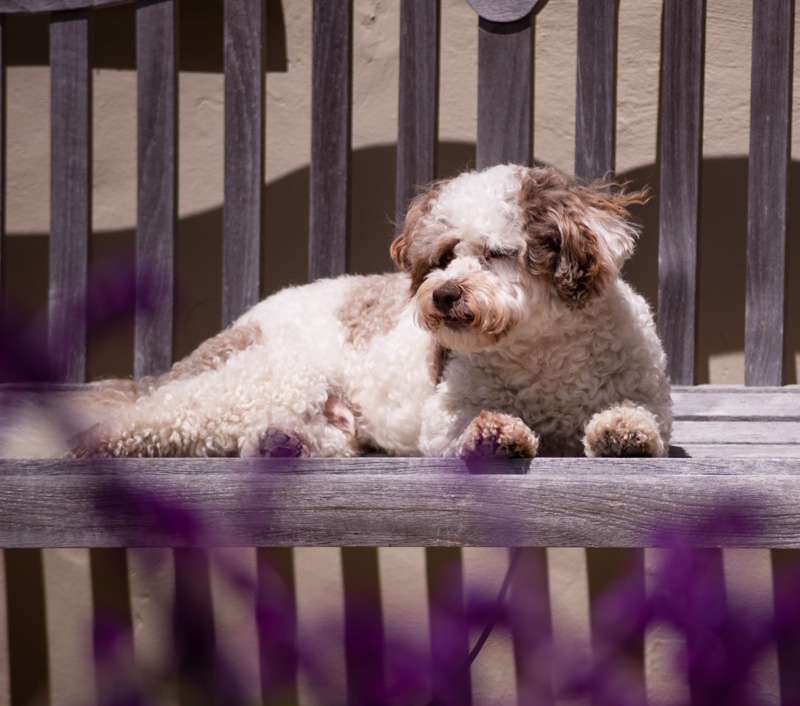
(399, 502)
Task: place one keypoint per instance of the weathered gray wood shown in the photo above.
(2, 156)
(450, 638)
(681, 110)
(721, 452)
(561, 502)
(530, 597)
(364, 656)
(505, 102)
(243, 211)
(418, 107)
(770, 121)
(331, 130)
(743, 403)
(33, 6)
(736, 432)
(503, 10)
(71, 191)
(595, 109)
(157, 208)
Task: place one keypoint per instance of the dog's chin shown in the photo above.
(459, 337)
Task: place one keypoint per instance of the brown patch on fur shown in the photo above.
(342, 413)
(560, 244)
(406, 242)
(373, 306)
(438, 358)
(339, 413)
(216, 351)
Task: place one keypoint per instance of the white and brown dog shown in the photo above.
(508, 333)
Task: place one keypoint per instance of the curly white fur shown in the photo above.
(510, 305)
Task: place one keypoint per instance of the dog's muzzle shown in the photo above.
(446, 296)
(449, 302)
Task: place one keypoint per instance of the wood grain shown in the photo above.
(71, 191)
(503, 10)
(157, 208)
(33, 6)
(331, 106)
(735, 431)
(681, 110)
(766, 452)
(505, 102)
(595, 110)
(742, 403)
(770, 121)
(243, 209)
(418, 106)
(560, 502)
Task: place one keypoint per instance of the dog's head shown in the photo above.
(488, 250)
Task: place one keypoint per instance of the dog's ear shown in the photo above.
(407, 249)
(609, 218)
(581, 269)
(579, 235)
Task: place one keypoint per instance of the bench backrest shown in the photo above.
(504, 134)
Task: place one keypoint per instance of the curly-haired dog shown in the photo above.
(508, 333)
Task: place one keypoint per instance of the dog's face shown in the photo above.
(489, 250)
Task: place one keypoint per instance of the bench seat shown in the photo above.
(734, 449)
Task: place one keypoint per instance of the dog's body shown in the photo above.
(509, 333)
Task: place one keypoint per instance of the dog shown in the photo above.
(508, 332)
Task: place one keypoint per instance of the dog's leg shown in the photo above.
(625, 430)
(496, 435)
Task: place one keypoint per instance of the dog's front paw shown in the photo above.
(495, 435)
(626, 430)
(276, 443)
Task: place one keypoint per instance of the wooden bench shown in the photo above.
(730, 445)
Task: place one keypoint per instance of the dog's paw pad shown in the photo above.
(276, 443)
(492, 435)
(624, 431)
(629, 444)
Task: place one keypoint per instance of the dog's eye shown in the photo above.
(496, 253)
(444, 260)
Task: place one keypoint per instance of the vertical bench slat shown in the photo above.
(331, 130)
(71, 187)
(451, 683)
(29, 669)
(5, 662)
(595, 110)
(681, 109)
(418, 106)
(505, 103)
(770, 120)
(157, 210)
(243, 209)
(2, 157)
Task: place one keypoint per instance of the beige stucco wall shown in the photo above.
(376, 27)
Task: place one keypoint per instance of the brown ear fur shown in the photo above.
(559, 242)
(403, 248)
(580, 271)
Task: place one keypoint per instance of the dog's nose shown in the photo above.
(446, 295)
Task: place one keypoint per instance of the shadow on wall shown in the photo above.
(723, 241)
(285, 254)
